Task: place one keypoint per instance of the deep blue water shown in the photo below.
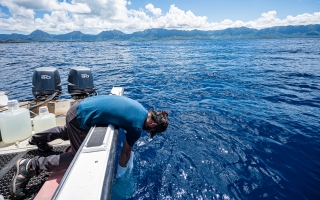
(244, 114)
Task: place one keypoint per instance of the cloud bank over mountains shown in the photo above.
(94, 16)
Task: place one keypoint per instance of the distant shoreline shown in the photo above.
(74, 41)
(280, 32)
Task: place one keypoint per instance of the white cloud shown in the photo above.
(155, 11)
(179, 19)
(58, 20)
(270, 19)
(94, 16)
(18, 12)
(266, 20)
(45, 5)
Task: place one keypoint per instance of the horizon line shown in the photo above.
(155, 28)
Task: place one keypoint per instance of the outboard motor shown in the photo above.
(80, 82)
(45, 82)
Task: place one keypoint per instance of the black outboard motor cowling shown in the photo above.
(46, 81)
(80, 82)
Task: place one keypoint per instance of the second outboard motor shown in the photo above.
(80, 82)
(45, 82)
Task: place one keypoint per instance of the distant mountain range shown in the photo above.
(308, 31)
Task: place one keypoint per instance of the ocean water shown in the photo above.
(244, 114)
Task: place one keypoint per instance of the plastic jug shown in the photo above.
(44, 120)
(15, 123)
(3, 99)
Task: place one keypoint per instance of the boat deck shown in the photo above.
(7, 161)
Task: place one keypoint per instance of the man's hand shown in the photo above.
(125, 155)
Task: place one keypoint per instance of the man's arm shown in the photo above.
(125, 154)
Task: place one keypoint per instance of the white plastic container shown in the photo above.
(15, 123)
(44, 120)
(3, 99)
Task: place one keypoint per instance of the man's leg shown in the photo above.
(26, 168)
(41, 139)
(51, 163)
(58, 132)
(71, 130)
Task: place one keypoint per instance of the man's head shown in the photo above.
(156, 122)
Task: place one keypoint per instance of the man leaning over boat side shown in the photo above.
(119, 111)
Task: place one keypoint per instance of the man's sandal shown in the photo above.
(18, 184)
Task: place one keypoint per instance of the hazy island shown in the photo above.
(306, 31)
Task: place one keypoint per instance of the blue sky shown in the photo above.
(218, 10)
(94, 16)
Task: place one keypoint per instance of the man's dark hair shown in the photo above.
(160, 118)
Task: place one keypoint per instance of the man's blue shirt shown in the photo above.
(120, 111)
